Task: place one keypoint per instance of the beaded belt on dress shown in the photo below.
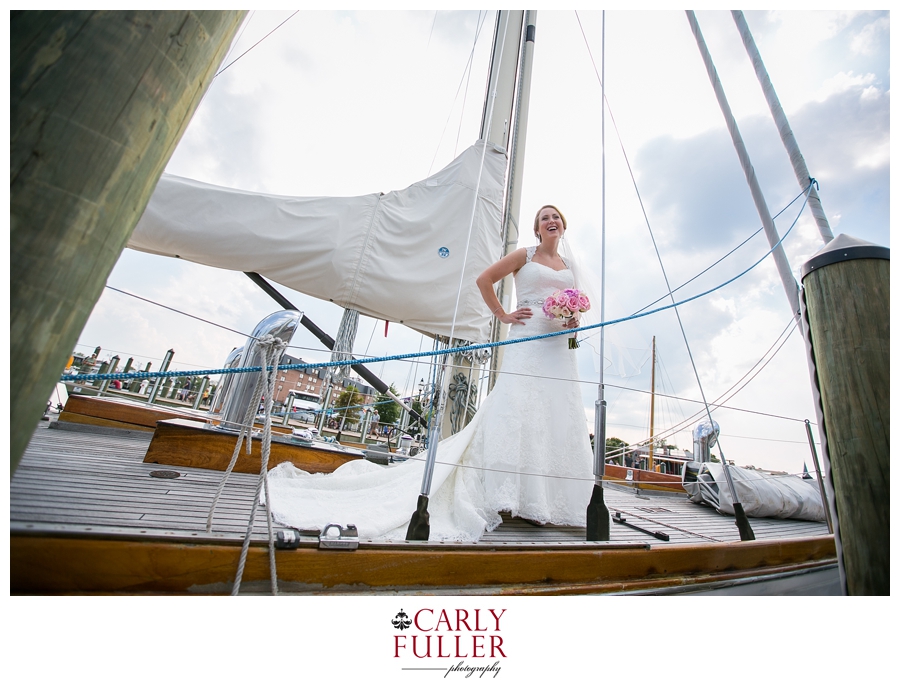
(528, 303)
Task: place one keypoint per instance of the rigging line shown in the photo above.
(731, 392)
(430, 33)
(172, 309)
(695, 297)
(734, 390)
(716, 403)
(412, 361)
(784, 209)
(667, 385)
(726, 255)
(371, 336)
(238, 39)
(494, 470)
(207, 321)
(682, 426)
(256, 43)
(410, 373)
(524, 339)
(458, 88)
(807, 191)
(448, 351)
(436, 351)
(667, 525)
(770, 440)
(462, 111)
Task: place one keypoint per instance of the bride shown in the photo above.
(526, 451)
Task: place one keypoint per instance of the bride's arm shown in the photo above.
(506, 266)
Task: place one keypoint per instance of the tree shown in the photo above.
(388, 410)
(349, 398)
(614, 444)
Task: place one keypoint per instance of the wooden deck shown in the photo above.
(88, 515)
(95, 481)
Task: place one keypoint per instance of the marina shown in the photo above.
(115, 497)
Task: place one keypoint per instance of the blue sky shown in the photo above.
(350, 103)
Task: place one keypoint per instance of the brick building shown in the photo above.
(312, 381)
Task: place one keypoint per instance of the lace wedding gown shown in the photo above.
(526, 451)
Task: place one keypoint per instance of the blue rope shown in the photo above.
(435, 353)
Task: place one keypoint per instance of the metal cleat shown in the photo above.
(337, 537)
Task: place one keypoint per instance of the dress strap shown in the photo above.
(529, 253)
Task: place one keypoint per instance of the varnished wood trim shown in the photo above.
(59, 565)
(187, 443)
(653, 481)
(98, 421)
(129, 413)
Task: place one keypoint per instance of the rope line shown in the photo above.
(256, 43)
(434, 353)
(271, 349)
(726, 255)
(415, 458)
(325, 350)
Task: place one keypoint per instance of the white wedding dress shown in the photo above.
(527, 450)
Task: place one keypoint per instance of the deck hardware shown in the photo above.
(287, 539)
(164, 474)
(619, 519)
(337, 537)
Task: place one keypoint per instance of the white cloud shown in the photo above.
(866, 39)
(842, 82)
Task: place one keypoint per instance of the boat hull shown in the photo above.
(54, 564)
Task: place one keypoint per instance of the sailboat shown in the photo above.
(160, 555)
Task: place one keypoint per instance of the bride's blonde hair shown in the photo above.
(537, 219)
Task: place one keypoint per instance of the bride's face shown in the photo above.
(550, 224)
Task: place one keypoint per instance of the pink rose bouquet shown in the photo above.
(563, 305)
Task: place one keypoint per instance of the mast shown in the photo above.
(495, 130)
(652, 403)
(516, 165)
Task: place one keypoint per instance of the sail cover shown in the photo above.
(761, 494)
(398, 256)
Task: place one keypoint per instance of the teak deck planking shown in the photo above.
(83, 506)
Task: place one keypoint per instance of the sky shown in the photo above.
(349, 103)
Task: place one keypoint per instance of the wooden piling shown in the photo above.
(98, 101)
(847, 295)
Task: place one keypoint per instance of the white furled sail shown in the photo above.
(396, 256)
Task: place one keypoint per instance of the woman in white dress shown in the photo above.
(527, 450)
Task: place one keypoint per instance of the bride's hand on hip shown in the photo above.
(517, 316)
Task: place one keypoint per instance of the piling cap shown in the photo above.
(842, 248)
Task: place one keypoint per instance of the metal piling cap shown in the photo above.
(842, 248)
